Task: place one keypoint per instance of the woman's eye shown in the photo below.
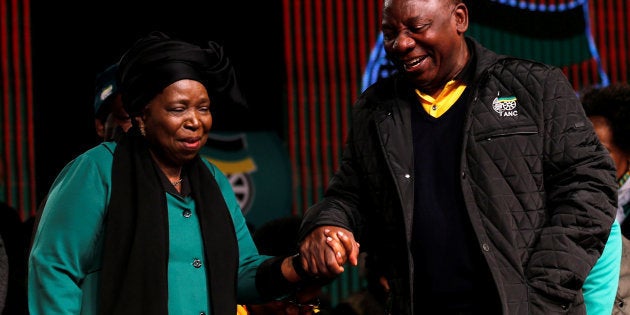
(177, 109)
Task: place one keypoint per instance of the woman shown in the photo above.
(144, 225)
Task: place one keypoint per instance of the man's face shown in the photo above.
(425, 39)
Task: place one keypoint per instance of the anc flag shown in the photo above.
(557, 34)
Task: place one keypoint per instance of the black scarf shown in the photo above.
(135, 252)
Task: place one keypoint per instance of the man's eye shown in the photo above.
(418, 28)
(388, 36)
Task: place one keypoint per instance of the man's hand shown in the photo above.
(326, 249)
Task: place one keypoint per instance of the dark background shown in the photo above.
(73, 42)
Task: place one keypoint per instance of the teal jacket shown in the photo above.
(65, 259)
(600, 287)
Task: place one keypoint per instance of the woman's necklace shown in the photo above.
(177, 182)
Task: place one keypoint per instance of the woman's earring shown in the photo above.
(142, 132)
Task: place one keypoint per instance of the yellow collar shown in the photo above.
(447, 97)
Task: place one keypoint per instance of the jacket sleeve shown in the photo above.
(579, 181)
(66, 243)
(600, 287)
(340, 205)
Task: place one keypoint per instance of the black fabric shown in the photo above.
(16, 237)
(269, 279)
(156, 61)
(135, 253)
(625, 225)
(450, 272)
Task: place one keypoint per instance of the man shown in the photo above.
(474, 181)
(108, 109)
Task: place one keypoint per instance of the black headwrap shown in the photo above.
(156, 61)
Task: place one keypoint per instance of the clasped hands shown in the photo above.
(325, 251)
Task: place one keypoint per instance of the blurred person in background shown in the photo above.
(608, 108)
(110, 117)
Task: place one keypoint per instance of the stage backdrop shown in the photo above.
(17, 143)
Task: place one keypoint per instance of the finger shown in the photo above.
(319, 257)
(333, 268)
(338, 249)
(326, 265)
(346, 239)
(351, 246)
(309, 253)
(310, 248)
(353, 255)
(317, 264)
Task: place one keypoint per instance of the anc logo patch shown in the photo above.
(505, 106)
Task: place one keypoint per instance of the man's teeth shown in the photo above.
(412, 63)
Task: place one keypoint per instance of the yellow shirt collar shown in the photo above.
(447, 97)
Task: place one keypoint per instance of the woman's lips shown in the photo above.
(192, 143)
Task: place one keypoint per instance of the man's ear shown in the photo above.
(461, 18)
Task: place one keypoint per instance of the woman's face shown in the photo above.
(176, 122)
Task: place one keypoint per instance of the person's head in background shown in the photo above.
(609, 110)
(109, 113)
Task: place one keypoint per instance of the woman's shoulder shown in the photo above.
(100, 156)
(100, 152)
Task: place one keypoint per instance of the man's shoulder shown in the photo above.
(488, 59)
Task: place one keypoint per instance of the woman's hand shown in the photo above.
(326, 249)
